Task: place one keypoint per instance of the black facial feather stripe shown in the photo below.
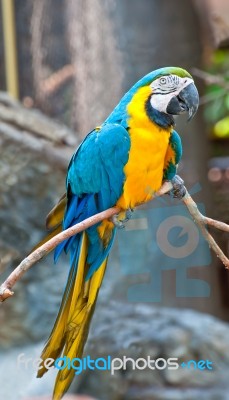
(174, 79)
(162, 119)
(166, 89)
(170, 91)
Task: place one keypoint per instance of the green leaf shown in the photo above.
(227, 101)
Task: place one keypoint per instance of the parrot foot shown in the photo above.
(179, 190)
(127, 215)
(117, 223)
(120, 219)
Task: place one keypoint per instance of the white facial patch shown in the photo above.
(166, 87)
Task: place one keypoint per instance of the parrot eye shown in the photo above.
(163, 81)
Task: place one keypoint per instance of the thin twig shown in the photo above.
(211, 79)
(216, 224)
(38, 254)
(53, 83)
(202, 221)
(44, 249)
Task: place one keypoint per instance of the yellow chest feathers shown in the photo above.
(149, 142)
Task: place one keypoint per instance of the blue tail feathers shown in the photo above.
(78, 209)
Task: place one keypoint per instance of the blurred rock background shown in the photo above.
(74, 71)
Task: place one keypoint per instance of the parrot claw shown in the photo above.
(179, 190)
(128, 215)
(119, 222)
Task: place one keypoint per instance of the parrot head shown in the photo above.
(173, 92)
(165, 92)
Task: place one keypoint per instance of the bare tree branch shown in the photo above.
(211, 79)
(202, 221)
(42, 251)
(57, 79)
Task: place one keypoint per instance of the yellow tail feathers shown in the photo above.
(56, 215)
(70, 331)
(54, 221)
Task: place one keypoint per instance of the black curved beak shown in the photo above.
(186, 101)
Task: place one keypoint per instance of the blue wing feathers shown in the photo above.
(94, 182)
(176, 144)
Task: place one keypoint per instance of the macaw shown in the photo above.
(121, 163)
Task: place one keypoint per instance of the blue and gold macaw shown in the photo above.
(121, 163)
